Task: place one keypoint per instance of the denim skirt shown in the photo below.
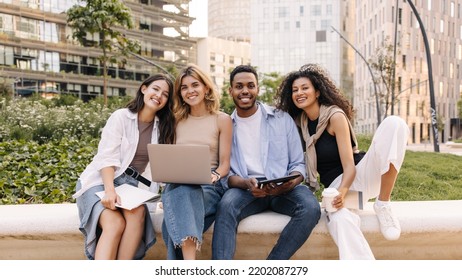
(90, 209)
(189, 210)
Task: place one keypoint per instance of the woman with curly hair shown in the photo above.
(323, 115)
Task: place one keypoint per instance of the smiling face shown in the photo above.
(244, 91)
(192, 90)
(156, 94)
(304, 95)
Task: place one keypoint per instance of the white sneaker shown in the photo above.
(389, 224)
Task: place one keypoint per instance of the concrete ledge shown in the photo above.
(430, 230)
(454, 145)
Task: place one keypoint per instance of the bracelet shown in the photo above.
(214, 172)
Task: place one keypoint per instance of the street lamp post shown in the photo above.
(430, 79)
(377, 104)
(149, 62)
(392, 112)
(15, 81)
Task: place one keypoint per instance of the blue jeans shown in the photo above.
(189, 210)
(237, 204)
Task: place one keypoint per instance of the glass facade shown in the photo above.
(38, 52)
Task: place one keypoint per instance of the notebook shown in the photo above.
(132, 197)
(180, 164)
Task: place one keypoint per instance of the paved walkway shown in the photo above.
(429, 148)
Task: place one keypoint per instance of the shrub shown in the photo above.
(42, 173)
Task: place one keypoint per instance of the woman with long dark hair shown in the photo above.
(111, 232)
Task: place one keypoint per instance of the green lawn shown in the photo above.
(426, 175)
(429, 176)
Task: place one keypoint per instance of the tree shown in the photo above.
(269, 86)
(105, 18)
(6, 89)
(383, 65)
(226, 101)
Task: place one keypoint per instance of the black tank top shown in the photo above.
(328, 157)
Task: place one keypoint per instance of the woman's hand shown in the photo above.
(110, 200)
(339, 200)
(215, 177)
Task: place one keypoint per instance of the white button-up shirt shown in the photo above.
(116, 148)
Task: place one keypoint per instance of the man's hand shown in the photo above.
(252, 186)
(283, 188)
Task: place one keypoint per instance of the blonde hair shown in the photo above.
(212, 99)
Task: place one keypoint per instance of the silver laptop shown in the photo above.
(181, 164)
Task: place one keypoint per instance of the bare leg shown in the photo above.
(387, 183)
(389, 224)
(132, 234)
(189, 249)
(112, 224)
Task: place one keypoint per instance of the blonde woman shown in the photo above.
(190, 209)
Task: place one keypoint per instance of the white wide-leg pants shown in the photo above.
(388, 147)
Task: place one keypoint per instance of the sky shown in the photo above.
(198, 10)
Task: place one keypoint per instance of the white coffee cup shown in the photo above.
(327, 197)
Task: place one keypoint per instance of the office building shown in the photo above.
(442, 20)
(37, 52)
(218, 56)
(288, 34)
(229, 19)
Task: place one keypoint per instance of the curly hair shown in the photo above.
(329, 94)
(165, 115)
(212, 99)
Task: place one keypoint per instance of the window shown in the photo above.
(231, 59)
(316, 10)
(400, 15)
(329, 10)
(325, 24)
(404, 62)
(283, 12)
(418, 86)
(410, 87)
(276, 26)
(6, 55)
(408, 104)
(302, 10)
(220, 58)
(441, 26)
(297, 24)
(321, 36)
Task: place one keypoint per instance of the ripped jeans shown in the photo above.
(189, 210)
